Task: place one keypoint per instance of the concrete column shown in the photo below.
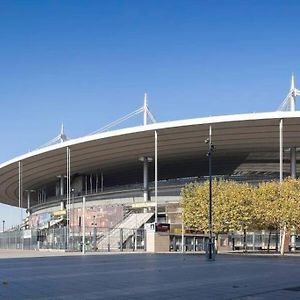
(97, 182)
(62, 183)
(61, 190)
(145, 161)
(28, 201)
(86, 188)
(102, 182)
(57, 188)
(293, 162)
(62, 205)
(146, 181)
(91, 183)
(281, 150)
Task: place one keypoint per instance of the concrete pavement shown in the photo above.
(150, 276)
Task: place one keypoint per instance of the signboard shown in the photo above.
(149, 227)
(162, 227)
(60, 213)
(27, 234)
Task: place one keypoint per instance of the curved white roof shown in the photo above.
(119, 149)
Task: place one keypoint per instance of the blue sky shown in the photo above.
(86, 63)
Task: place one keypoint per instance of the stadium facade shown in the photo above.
(143, 169)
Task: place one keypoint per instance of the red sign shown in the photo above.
(162, 227)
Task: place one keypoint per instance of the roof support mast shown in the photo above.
(289, 103)
(293, 95)
(145, 109)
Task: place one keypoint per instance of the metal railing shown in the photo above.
(96, 239)
(123, 239)
(135, 190)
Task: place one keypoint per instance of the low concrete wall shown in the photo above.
(157, 242)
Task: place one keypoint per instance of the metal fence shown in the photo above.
(122, 239)
(25, 240)
(96, 239)
(258, 241)
(255, 241)
(190, 243)
(251, 241)
(107, 239)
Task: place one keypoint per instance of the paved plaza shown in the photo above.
(149, 276)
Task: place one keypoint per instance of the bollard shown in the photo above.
(210, 251)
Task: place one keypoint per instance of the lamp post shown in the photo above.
(3, 222)
(211, 148)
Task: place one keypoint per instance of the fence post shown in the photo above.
(94, 238)
(108, 245)
(135, 239)
(121, 239)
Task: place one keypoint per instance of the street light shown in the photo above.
(3, 222)
(211, 149)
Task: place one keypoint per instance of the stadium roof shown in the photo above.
(118, 150)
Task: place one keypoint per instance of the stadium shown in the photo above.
(129, 177)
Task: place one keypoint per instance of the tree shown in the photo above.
(240, 206)
(267, 205)
(232, 206)
(195, 206)
(290, 206)
(267, 208)
(278, 207)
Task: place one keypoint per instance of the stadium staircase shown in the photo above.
(131, 222)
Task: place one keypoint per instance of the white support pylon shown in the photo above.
(145, 109)
(289, 103)
(62, 135)
(58, 139)
(147, 115)
(293, 95)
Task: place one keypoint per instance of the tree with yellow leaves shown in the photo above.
(267, 207)
(239, 206)
(232, 206)
(290, 206)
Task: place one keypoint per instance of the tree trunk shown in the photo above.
(269, 241)
(277, 236)
(245, 241)
(282, 244)
(217, 243)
